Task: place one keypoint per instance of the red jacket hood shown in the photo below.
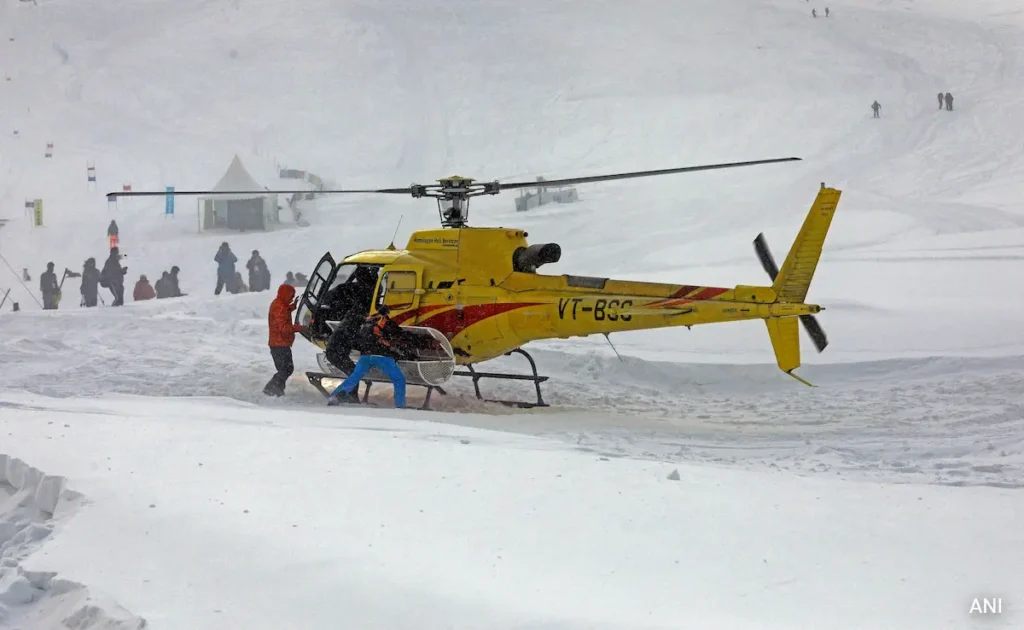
(285, 292)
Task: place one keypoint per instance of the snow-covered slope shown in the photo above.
(920, 384)
(234, 516)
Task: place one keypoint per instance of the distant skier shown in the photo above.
(259, 275)
(282, 336)
(143, 290)
(814, 13)
(240, 284)
(826, 11)
(112, 234)
(949, 101)
(875, 107)
(160, 286)
(24, 275)
(90, 283)
(301, 280)
(112, 276)
(289, 278)
(939, 95)
(49, 288)
(225, 260)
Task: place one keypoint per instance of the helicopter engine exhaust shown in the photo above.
(527, 259)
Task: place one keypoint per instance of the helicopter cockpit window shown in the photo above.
(343, 293)
(343, 273)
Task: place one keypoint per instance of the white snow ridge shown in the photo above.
(679, 481)
(31, 505)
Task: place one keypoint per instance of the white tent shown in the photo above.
(245, 211)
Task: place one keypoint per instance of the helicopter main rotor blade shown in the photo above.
(210, 193)
(665, 171)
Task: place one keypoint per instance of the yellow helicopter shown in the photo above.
(477, 290)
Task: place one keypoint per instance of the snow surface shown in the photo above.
(889, 496)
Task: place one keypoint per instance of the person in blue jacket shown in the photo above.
(226, 260)
(380, 341)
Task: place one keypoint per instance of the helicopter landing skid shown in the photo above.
(534, 377)
(316, 380)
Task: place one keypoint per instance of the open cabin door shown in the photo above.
(399, 288)
(319, 281)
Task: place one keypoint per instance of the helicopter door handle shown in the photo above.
(419, 292)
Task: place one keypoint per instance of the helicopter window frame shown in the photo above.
(386, 286)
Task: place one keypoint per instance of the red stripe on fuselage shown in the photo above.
(684, 290)
(454, 321)
(707, 293)
(417, 312)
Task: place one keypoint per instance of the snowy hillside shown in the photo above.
(886, 497)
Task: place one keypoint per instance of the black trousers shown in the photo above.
(339, 347)
(285, 367)
(117, 290)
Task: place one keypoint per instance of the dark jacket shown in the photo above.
(48, 283)
(173, 288)
(90, 279)
(226, 264)
(379, 335)
(259, 275)
(113, 274)
(162, 290)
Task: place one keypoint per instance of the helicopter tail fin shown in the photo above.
(792, 282)
(794, 278)
(785, 336)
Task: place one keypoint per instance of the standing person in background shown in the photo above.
(112, 276)
(225, 260)
(112, 234)
(49, 288)
(90, 283)
(259, 275)
(282, 336)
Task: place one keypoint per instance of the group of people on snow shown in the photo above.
(946, 99)
(380, 341)
(111, 277)
(230, 279)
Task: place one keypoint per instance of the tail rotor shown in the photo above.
(810, 323)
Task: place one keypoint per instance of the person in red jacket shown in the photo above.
(143, 290)
(282, 336)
